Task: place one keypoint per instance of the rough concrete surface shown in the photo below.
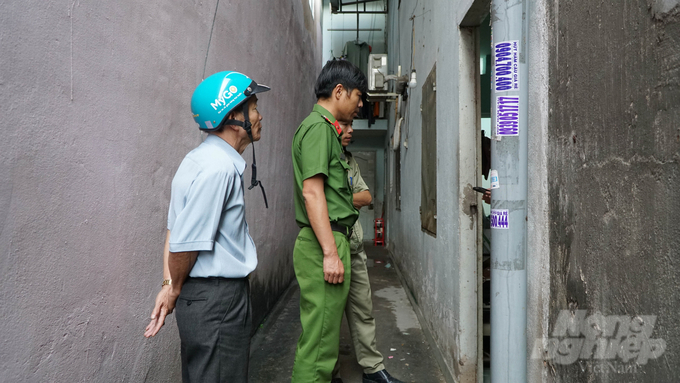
(96, 119)
(400, 338)
(614, 150)
(662, 8)
(538, 227)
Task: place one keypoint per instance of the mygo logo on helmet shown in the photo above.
(225, 95)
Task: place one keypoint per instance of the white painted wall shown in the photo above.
(334, 42)
(439, 272)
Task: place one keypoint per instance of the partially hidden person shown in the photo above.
(359, 307)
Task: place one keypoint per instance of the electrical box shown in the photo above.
(377, 70)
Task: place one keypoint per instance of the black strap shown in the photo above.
(254, 181)
(344, 230)
(247, 126)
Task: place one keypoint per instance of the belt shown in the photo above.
(347, 231)
(215, 280)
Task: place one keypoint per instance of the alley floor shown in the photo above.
(408, 356)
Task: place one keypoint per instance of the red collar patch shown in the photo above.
(336, 124)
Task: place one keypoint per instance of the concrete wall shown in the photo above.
(614, 179)
(367, 164)
(433, 268)
(96, 120)
(376, 166)
(538, 222)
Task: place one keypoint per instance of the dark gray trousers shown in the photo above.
(214, 320)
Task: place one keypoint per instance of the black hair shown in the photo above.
(340, 72)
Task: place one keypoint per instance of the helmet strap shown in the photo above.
(247, 126)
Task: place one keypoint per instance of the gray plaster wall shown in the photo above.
(95, 121)
(613, 172)
(377, 167)
(431, 267)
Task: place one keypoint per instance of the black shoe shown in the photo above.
(381, 376)
(336, 380)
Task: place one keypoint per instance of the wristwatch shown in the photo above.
(166, 282)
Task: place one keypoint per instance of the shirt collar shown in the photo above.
(329, 118)
(239, 162)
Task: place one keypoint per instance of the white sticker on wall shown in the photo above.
(506, 66)
(507, 116)
(499, 219)
(493, 175)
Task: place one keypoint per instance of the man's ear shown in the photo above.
(337, 91)
(232, 116)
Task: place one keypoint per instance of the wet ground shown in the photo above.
(400, 338)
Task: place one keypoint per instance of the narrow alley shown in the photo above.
(522, 159)
(401, 340)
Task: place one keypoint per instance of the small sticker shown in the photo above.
(499, 219)
(233, 89)
(507, 116)
(209, 125)
(493, 174)
(506, 66)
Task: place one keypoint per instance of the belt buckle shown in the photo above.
(347, 232)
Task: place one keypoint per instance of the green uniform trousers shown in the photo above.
(359, 312)
(321, 307)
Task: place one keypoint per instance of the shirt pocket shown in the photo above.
(346, 169)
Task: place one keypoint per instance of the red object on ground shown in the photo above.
(379, 237)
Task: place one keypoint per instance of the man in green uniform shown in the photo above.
(359, 308)
(325, 214)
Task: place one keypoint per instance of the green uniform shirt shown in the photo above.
(358, 185)
(317, 150)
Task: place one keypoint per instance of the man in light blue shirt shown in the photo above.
(209, 252)
(207, 212)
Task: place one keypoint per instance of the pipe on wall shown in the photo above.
(509, 191)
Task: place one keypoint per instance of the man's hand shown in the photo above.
(333, 269)
(487, 197)
(165, 304)
(362, 199)
(317, 211)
